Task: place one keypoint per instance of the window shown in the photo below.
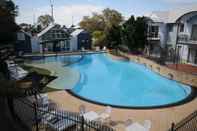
(154, 31)
(170, 27)
(182, 28)
(21, 36)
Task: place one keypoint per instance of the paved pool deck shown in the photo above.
(161, 118)
(67, 78)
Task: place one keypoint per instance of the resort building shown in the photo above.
(175, 30)
(54, 38)
(80, 39)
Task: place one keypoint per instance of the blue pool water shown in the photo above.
(123, 83)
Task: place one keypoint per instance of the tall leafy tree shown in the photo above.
(102, 24)
(99, 38)
(111, 18)
(94, 23)
(128, 31)
(8, 27)
(134, 33)
(140, 34)
(114, 37)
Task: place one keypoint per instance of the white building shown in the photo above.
(177, 30)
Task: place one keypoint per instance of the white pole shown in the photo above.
(51, 2)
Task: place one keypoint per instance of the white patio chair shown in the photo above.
(147, 124)
(82, 109)
(135, 127)
(128, 122)
(105, 114)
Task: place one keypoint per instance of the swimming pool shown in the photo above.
(122, 83)
(125, 83)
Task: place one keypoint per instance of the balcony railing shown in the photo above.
(185, 39)
(153, 36)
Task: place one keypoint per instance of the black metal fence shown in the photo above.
(188, 124)
(38, 118)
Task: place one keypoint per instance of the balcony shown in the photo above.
(153, 36)
(185, 39)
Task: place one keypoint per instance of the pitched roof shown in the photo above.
(76, 32)
(45, 30)
(171, 16)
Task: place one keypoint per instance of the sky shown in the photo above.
(67, 12)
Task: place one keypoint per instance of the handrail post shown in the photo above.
(172, 127)
(82, 124)
(35, 113)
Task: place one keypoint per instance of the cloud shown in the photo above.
(180, 1)
(63, 14)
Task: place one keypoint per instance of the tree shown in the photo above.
(94, 23)
(11, 7)
(45, 20)
(8, 27)
(111, 18)
(134, 33)
(102, 24)
(114, 37)
(99, 38)
(140, 34)
(128, 31)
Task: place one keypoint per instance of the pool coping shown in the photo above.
(189, 98)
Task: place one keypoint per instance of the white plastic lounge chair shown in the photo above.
(88, 115)
(97, 48)
(105, 114)
(147, 124)
(82, 109)
(135, 127)
(128, 122)
(92, 115)
(138, 127)
(104, 48)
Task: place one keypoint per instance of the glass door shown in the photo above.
(194, 33)
(195, 57)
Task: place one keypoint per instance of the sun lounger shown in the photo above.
(147, 124)
(105, 114)
(138, 127)
(91, 115)
(135, 127)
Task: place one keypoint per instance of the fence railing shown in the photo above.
(188, 124)
(50, 118)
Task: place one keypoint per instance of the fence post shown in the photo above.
(172, 127)
(36, 118)
(82, 124)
